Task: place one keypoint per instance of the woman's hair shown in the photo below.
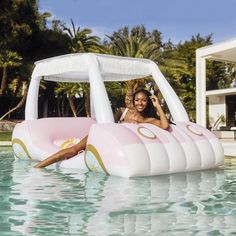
(150, 110)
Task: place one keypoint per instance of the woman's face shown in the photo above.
(140, 102)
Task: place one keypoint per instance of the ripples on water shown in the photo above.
(65, 202)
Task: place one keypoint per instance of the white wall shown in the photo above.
(217, 107)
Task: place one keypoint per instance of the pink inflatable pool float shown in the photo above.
(115, 149)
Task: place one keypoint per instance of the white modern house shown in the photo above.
(222, 102)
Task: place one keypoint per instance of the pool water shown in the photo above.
(65, 202)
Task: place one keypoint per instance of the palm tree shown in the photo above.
(18, 88)
(75, 90)
(135, 43)
(81, 40)
(20, 103)
(70, 90)
(8, 59)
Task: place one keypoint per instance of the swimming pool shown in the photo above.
(55, 202)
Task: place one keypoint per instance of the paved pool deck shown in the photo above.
(5, 143)
(229, 146)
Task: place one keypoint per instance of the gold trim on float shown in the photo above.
(18, 141)
(94, 151)
(194, 132)
(142, 127)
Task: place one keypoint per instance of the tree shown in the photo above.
(82, 40)
(8, 59)
(20, 104)
(219, 75)
(179, 66)
(135, 43)
(70, 90)
(73, 90)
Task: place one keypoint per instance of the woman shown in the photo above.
(145, 110)
(146, 107)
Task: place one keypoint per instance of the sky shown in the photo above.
(177, 20)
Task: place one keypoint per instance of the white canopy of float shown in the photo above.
(95, 69)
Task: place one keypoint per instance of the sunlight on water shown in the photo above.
(65, 202)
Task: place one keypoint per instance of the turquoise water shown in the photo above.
(55, 202)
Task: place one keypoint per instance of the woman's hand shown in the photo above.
(155, 101)
(163, 122)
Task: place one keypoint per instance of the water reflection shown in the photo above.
(49, 202)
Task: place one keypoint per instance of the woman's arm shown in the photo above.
(163, 122)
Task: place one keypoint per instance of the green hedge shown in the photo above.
(5, 135)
